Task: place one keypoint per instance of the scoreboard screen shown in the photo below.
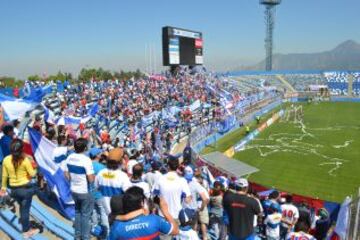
(182, 47)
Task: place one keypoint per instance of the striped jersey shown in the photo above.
(272, 223)
(111, 183)
(78, 166)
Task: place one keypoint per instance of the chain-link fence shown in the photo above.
(354, 219)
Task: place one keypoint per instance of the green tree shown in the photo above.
(59, 76)
(87, 74)
(34, 78)
(10, 82)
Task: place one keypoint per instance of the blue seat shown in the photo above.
(36, 206)
(10, 225)
(59, 232)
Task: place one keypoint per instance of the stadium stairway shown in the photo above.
(55, 226)
(60, 228)
(350, 85)
(286, 83)
(9, 224)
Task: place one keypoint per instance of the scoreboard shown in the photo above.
(181, 47)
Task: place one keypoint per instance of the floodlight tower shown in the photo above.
(270, 6)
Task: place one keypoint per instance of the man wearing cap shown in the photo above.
(199, 198)
(273, 199)
(99, 214)
(272, 223)
(111, 180)
(241, 210)
(187, 218)
(323, 224)
(79, 170)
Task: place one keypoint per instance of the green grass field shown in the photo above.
(320, 158)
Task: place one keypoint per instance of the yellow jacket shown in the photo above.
(19, 177)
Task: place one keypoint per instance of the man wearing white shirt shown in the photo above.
(199, 200)
(272, 223)
(197, 191)
(152, 176)
(112, 181)
(290, 215)
(173, 189)
(78, 169)
(136, 180)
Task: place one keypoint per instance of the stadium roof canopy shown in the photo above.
(229, 165)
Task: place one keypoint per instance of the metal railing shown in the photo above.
(354, 219)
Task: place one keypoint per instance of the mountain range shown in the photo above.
(346, 56)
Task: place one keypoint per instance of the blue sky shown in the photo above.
(42, 36)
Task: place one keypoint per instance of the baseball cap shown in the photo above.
(323, 213)
(223, 180)
(94, 152)
(186, 215)
(116, 154)
(274, 207)
(241, 182)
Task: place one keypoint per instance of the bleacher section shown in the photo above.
(302, 81)
(252, 83)
(356, 84)
(337, 83)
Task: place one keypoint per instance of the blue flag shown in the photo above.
(93, 110)
(15, 108)
(44, 152)
(37, 94)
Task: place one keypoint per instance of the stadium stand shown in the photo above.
(148, 117)
(356, 84)
(301, 82)
(337, 82)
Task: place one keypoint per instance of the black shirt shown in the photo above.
(187, 153)
(241, 210)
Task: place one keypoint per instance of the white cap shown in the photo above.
(241, 182)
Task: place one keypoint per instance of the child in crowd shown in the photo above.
(272, 223)
(186, 232)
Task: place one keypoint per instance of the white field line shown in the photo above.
(287, 142)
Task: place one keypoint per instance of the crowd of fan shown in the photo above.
(337, 82)
(133, 188)
(301, 82)
(356, 83)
